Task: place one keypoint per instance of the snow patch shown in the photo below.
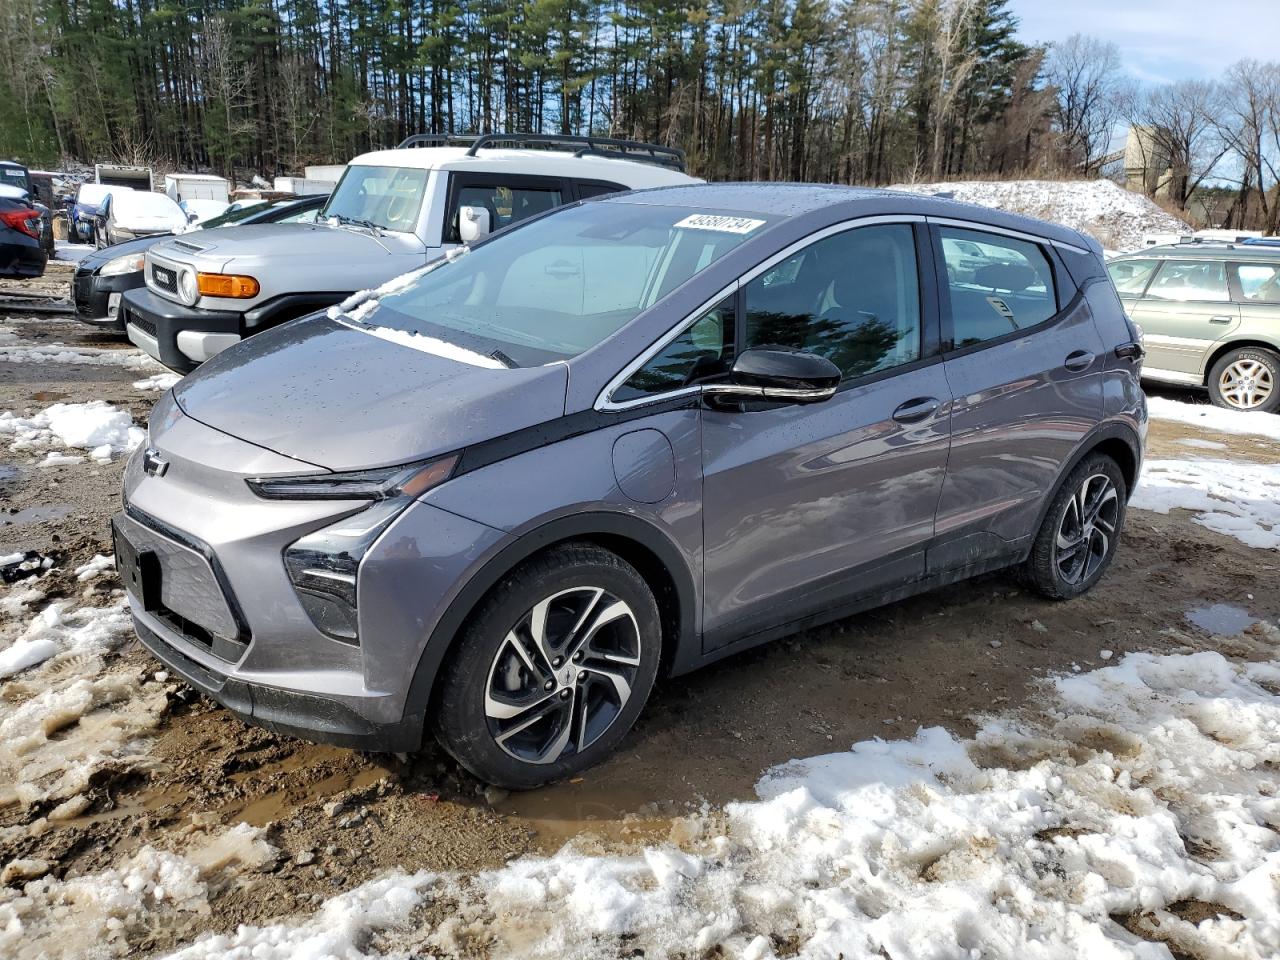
(15, 351)
(431, 345)
(1230, 497)
(161, 381)
(95, 426)
(1129, 790)
(71, 252)
(1220, 419)
(1116, 218)
(100, 564)
(62, 721)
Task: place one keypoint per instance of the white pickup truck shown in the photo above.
(392, 211)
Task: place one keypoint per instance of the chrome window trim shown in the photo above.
(1016, 234)
(604, 401)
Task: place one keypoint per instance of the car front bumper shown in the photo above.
(97, 298)
(179, 336)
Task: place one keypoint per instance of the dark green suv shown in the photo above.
(1210, 316)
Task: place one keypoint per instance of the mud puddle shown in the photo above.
(1222, 619)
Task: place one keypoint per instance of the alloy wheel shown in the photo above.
(1246, 383)
(1086, 529)
(562, 675)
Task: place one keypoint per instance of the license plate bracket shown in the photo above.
(139, 570)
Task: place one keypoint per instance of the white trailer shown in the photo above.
(196, 186)
(304, 186)
(118, 175)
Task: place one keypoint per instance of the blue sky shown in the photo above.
(1162, 40)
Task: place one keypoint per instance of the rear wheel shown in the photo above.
(1246, 379)
(1078, 537)
(552, 670)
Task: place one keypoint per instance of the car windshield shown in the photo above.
(144, 203)
(388, 198)
(557, 286)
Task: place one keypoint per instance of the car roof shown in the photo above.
(1206, 251)
(547, 163)
(795, 200)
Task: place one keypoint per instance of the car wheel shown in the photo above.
(1246, 379)
(1078, 537)
(552, 670)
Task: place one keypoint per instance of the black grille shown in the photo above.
(143, 324)
(81, 288)
(166, 278)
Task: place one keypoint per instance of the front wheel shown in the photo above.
(552, 670)
(1246, 379)
(1078, 536)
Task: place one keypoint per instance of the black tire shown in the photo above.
(1265, 367)
(1059, 572)
(486, 673)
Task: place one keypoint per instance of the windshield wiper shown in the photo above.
(356, 222)
(504, 359)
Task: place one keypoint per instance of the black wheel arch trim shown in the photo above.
(583, 526)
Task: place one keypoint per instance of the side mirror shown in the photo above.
(473, 224)
(783, 375)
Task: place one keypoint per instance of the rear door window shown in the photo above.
(1191, 280)
(997, 285)
(1259, 282)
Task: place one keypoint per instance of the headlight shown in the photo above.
(129, 263)
(187, 287)
(323, 566)
(385, 483)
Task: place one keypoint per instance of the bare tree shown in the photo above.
(296, 99)
(1085, 74)
(956, 60)
(1180, 121)
(227, 80)
(1249, 124)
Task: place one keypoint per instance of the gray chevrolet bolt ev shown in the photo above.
(627, 438)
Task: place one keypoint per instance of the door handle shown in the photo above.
(1078, 360)
(913, 411)
(1221, 319)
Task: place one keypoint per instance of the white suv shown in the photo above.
(392, 211)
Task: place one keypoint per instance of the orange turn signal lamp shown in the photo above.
(227, 285)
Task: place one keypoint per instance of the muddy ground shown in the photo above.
(341, 817)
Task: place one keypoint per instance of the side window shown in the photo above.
(1131, 276)
(853, 298)
(702, 351)
(1186, 280)
(1259, 282)
(997, 284)
(507, 204)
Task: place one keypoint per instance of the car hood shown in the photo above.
(264, 244)
(100, 258)
(338, 396)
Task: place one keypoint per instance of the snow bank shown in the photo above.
(71, 252)
(1230, 497)
(1132, 790)
(1220, 419)
(1115, 217)
(95, 426)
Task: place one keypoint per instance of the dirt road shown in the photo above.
(340, 818)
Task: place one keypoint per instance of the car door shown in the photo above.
(805, 506)
(1187, 307)
(1025, 363)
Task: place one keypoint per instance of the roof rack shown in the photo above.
(609, 147)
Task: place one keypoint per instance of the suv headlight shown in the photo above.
(323, 565)
(129, 263)
(187, 287)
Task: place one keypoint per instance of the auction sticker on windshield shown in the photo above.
(710, 221)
